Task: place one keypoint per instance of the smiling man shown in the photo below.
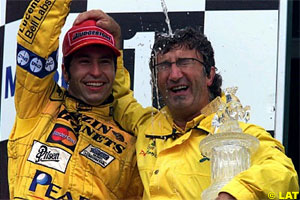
(90, 58)
(91, 76)
(65, 143)
(183, 82)
(169, 160)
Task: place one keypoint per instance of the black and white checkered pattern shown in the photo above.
(241, 17)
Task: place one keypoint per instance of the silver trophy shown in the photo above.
(228, 148)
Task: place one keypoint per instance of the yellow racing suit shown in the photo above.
(172, 167)
(61, 148)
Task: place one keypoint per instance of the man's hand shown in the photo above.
(225, 196)
(104, 21)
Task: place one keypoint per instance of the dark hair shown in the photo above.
(67, 62)
(191, 39)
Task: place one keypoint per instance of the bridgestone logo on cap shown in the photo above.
(96, 33)
(91, 33)
(85, 34)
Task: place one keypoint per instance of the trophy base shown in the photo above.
(211, 193)
(229, 154)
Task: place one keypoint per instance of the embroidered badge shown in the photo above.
(51, 157)
(97, 155)
(151, 149)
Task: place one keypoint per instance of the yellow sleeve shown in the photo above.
(121, 86)
(271, 171)
(127, 111)
(37, 53)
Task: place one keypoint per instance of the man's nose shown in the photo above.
(95, 69)
(175, 73)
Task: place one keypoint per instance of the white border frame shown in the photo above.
(281, 65)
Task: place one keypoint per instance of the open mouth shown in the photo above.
(94, 84)
(179, 88)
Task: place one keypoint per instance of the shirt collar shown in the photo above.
(164, 127)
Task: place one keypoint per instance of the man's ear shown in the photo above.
(211, 76)
(65, 73)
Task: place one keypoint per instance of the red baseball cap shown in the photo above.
(87, 33)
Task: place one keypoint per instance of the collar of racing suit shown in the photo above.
(76, 105)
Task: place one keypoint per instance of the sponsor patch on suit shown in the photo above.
(63, 135)
(48, 156)
(97, 155)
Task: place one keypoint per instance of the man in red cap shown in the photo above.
(65, 143)
(92, 53)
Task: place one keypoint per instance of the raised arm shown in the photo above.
(37, 51)
(127, 111)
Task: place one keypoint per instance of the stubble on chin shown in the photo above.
(176, 102)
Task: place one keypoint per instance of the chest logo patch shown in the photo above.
(151, 150)
(51, 157)
(63, 135)
(97, 155)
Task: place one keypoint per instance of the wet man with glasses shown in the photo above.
(169, 160)
(182, 76)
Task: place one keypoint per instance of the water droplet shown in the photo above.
(167, 20)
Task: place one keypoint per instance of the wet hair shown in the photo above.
(189, 38)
